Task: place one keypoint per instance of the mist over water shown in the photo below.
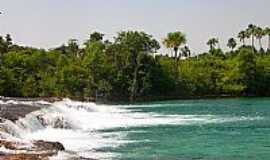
(173, 129)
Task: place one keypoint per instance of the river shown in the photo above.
(220, 129)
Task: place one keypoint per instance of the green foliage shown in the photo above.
(232, 43)
(125, 69)
(212, 43)
(247, 67)
(174, 40)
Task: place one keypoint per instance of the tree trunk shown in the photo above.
(211, 47)
(134, 85)
(252, 41)
(260, 43)
(176, 61)
(135, 75)
(175, 52)
(268, 42)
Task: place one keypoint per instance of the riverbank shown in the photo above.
(120, 100)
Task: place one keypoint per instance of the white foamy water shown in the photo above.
(80, 126)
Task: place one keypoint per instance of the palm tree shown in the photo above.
(212, 43)
(232, 43)
(242, 37)
(251, 30)
(186, 51)
(175, 40)
(267, 32)
(259, 33)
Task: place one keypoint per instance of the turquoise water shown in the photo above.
(236, 129)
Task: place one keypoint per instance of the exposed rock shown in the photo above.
(48, 99)
(13, 112)
(55, 122)
(42, 120)
(23, 157)
(43, 146)
(8, 144)
(15, 149)
(38, 146)
(40, 150)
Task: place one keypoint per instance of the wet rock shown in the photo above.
(16, 149)
(48, 99)
(52, 146)
(59, 123)
(13, 112)
(2, 126)
(39, 150)
(55, 122)
(38, 146)
(23, 157)
(42, 120)
(8, 144)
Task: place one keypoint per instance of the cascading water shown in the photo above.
(87, 129)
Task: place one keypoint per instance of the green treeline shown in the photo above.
(128, 68)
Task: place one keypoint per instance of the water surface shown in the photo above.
(222, 129)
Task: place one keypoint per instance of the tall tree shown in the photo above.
(247, 67)
(137, 44)
(259, 33)
(232, 43)
(242, 37)
(251, 31)
(267, 32)
(212, 43)
(95, 37)
(185, 51)
(8, 40)
(175, 40)
(73, 48)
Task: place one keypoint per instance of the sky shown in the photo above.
(50, 23)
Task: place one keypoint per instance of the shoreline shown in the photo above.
(125, 101)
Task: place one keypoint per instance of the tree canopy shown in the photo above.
(128, 68)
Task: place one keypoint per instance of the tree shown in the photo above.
(137, 45)
(232, 43)
(5, 44)
(2, 46)
(212, 43)
(259, 33)
(267, 32)
(124, 69)
(247, 67)
(174, 40)
(96, 36)
(96, 63)
(242, 37)
(8, 40)
(186, 51)
(251, 31)
(73, 48)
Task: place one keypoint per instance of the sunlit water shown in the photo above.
(232, 129)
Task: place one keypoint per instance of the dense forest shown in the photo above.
(128, 68)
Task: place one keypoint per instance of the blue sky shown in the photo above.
(49, 23)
